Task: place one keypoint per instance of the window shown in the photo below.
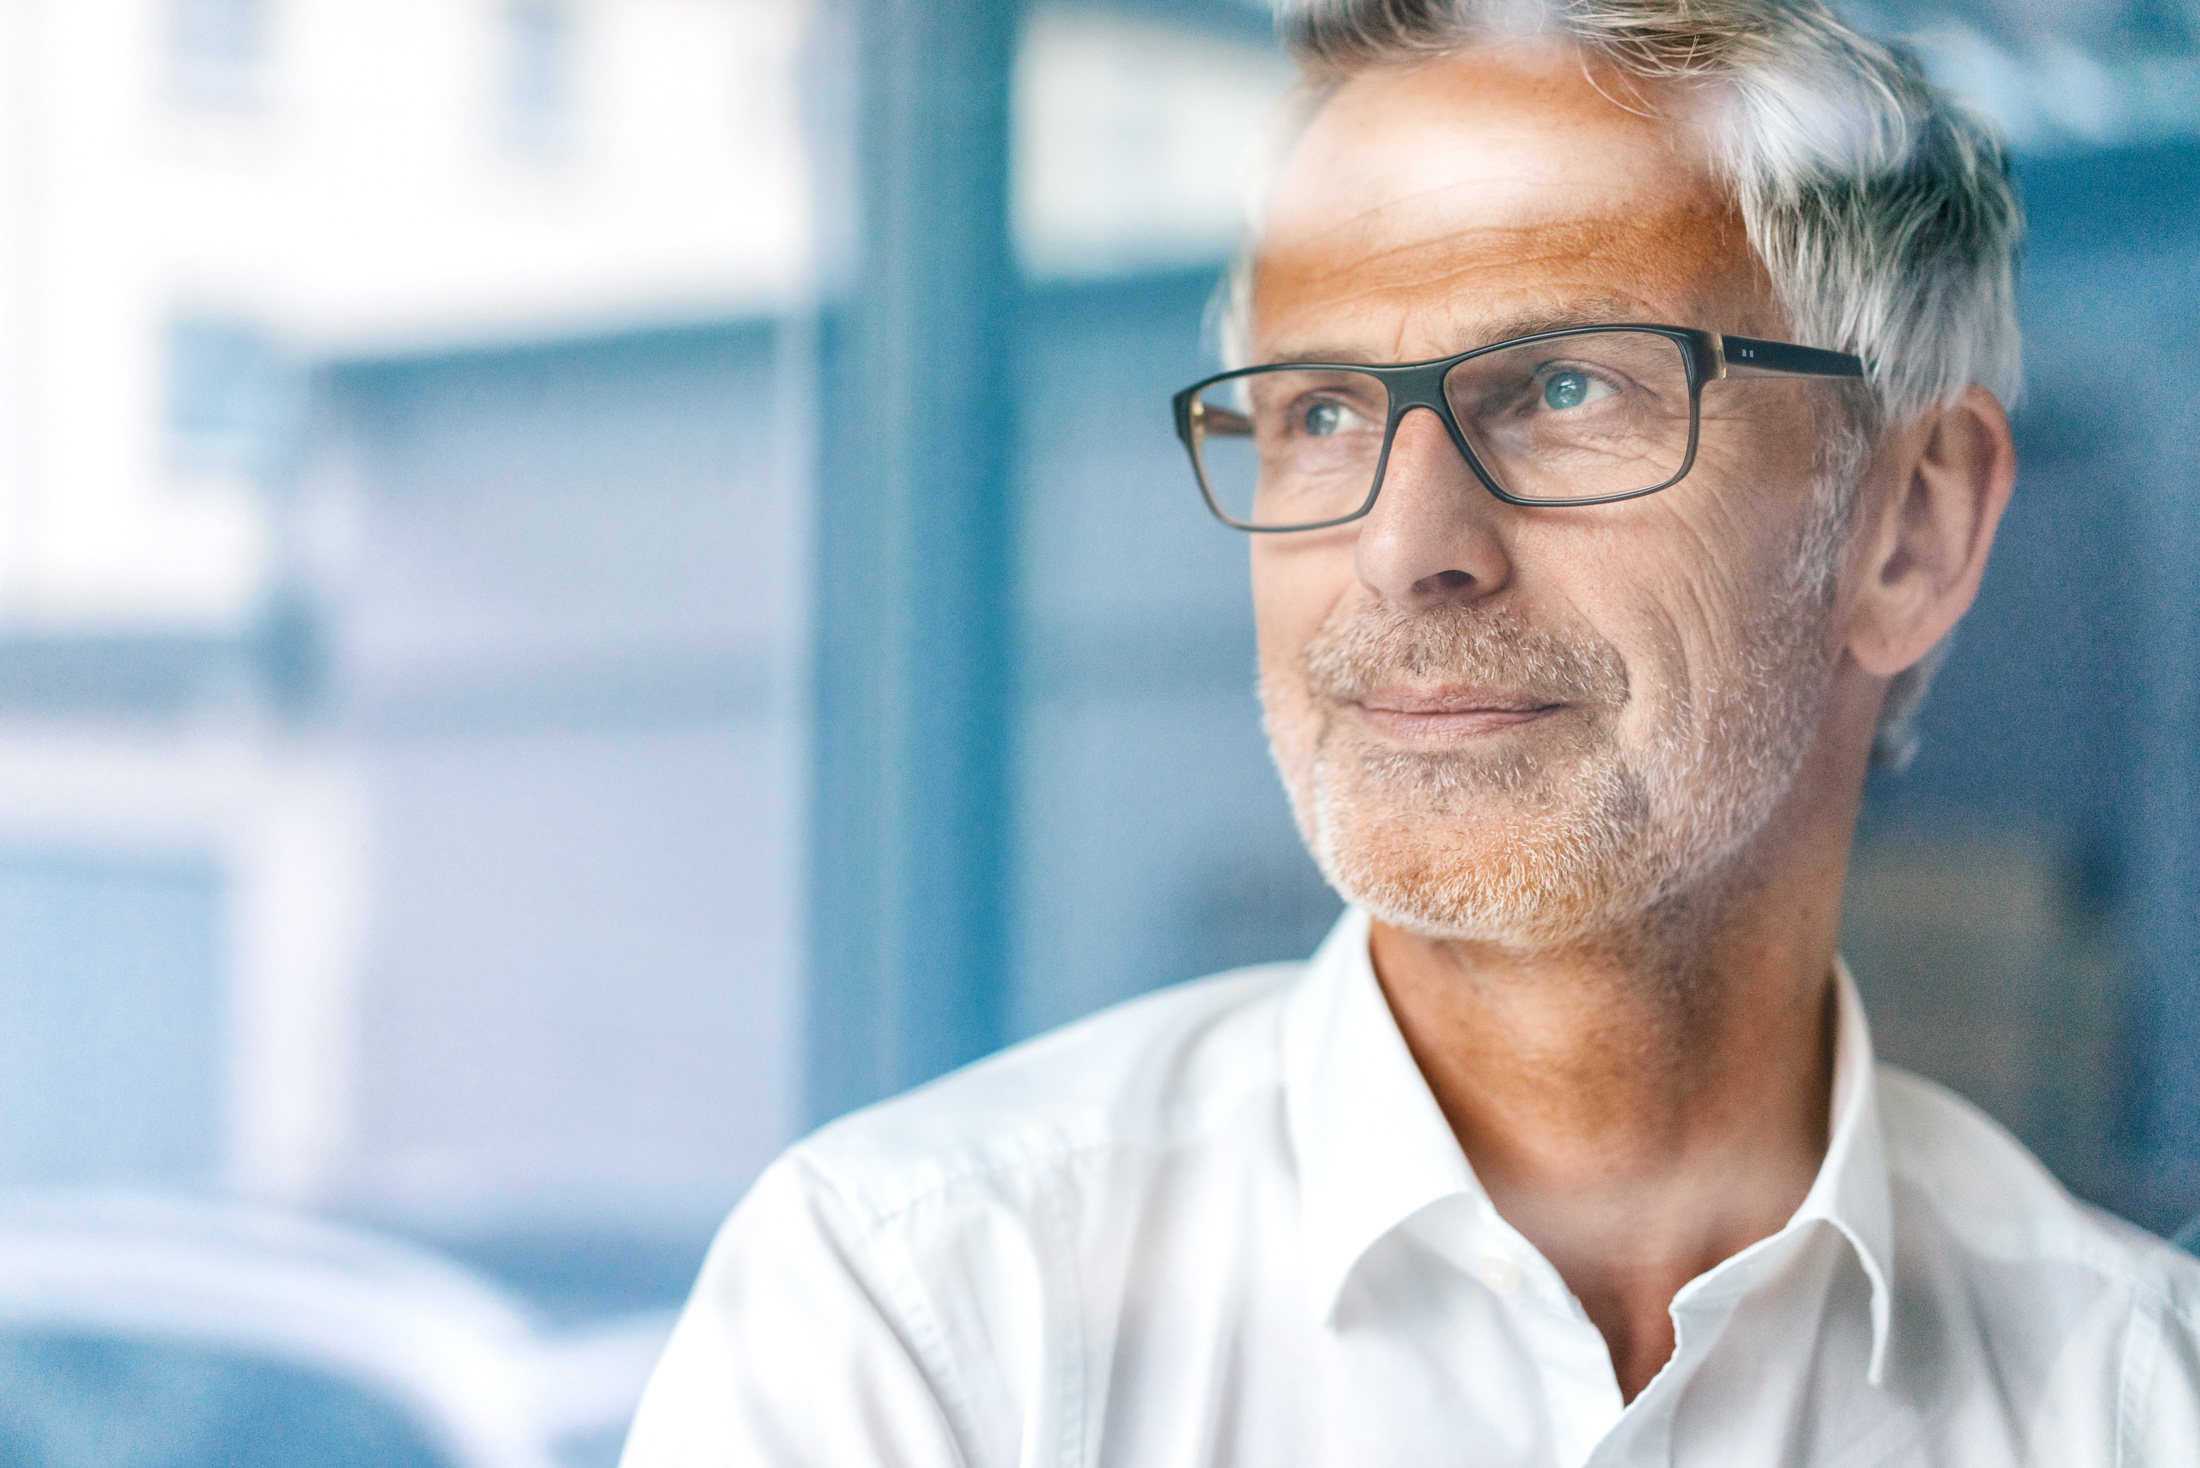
(536, 90)
(230, 399)
(218, 52)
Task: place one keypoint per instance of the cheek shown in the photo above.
(1298, 580)
(1672, 582)
(1754, 441)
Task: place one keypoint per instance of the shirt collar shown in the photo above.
(1374, 1149)
(1851, 1191)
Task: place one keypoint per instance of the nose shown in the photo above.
(1432, 536)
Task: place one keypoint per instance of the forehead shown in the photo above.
(1426, 209)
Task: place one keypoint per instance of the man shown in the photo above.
(1578, 631)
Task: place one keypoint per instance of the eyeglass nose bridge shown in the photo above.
(1421, 385)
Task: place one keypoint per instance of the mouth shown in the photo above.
(1449, 716)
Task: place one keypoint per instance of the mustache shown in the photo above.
(1377, 647)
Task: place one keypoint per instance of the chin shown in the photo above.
(1507, 862)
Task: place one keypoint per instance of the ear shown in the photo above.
(1947, 478)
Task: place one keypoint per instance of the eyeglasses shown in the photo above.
(1583, 416)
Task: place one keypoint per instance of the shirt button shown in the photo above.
(1501, 1275)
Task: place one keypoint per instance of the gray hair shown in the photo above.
(1881, 208)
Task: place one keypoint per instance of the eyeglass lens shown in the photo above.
(1553, 422)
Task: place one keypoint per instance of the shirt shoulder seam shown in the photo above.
(878, 1190)
(904, 1289)
(1012, 1151)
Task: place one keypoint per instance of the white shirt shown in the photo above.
(1227, 1224)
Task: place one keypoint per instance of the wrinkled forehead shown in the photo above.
(1425, 209)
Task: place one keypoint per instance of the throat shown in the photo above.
(1635, 1131)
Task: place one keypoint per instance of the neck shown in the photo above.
(1643, 1105)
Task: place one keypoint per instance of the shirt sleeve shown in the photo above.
(793, 1351)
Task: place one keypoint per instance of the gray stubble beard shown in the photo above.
(1599, 845)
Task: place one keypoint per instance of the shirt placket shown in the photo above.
(1571, 1361)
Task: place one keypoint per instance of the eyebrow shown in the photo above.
(1603, 311)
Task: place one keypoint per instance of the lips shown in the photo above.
(1460, 677)
(1449, 715)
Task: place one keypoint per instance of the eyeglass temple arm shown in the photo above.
(1744, 356)
(1212, 420)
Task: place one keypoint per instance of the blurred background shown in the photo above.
(588, 584)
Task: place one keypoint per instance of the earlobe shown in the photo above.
(1947, 479)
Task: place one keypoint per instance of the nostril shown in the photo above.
(1443, 583)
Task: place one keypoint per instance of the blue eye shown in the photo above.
(1323, 419)
(1566, 390)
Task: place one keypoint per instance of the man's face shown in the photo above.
(1515, 724)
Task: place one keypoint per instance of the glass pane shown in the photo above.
(1576, 417)
(1290, 448)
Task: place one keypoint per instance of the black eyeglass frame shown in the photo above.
(1709, 356)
